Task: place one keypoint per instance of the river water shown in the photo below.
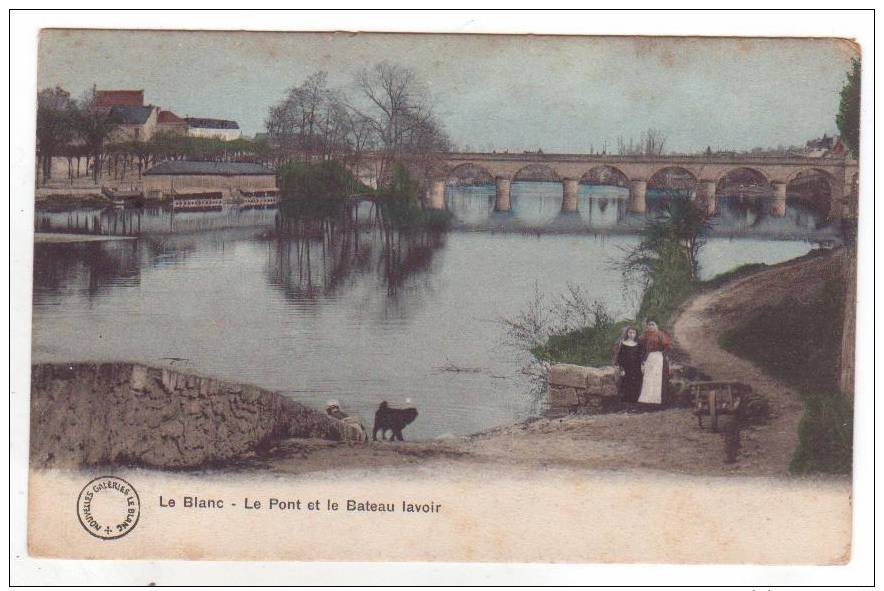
(355, 314)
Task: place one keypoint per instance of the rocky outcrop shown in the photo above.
(120, 413)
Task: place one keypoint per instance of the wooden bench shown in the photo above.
(714, 399)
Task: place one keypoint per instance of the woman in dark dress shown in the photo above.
(628, 359)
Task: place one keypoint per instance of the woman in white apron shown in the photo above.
(655, 343)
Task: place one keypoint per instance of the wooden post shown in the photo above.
(713, 410)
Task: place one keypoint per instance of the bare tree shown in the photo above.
(94, 124)
(399, 111)
(651, 143)
(54, 126)
(296, 123)
(314, 122)
(390, 116)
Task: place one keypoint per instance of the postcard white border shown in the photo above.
(23, 38)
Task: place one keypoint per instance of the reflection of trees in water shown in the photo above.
(741, 213)
(168, 249)
(149, 220)
(91, 221)
(91, 267)
(310, 259)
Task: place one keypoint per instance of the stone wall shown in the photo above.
(119, 413)
(590, 390)
(593, 390)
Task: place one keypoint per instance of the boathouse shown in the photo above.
(233, 180)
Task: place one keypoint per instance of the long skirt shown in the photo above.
(652, 384)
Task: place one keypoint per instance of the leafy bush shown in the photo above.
(590, 345)
(825, 435)
(400, 203)
(322, 180)
(316, 190)
(666, 260)
(572, 329)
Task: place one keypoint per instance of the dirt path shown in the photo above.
(701, 322)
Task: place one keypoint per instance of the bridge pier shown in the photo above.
(569, 195)
(637, 191)
(705, 196)
(502, 197)
(778, 205)
(435, 198)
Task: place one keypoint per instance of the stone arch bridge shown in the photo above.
(703, 173)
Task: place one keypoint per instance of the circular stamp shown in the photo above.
(108, 507)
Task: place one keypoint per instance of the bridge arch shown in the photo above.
(536, 172)
(810, 170)
(605, 174)
(752, 173)
(675, 178)
(814, 186)
(469, 173)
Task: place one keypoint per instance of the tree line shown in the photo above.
(387, 112)
(77, 129)
(70, 127)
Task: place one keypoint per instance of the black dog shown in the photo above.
(392, 419)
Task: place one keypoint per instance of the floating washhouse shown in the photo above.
(197, 201)
(199, 185)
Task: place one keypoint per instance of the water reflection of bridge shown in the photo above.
(536, 210)
(703, 177)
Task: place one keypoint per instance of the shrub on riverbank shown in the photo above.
(592, 345)
(665, 263)
(321, 180)
(589, 345)
(570, 329)
(317, 190)
(798, 342)
(666, 260)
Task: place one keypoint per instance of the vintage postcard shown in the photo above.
(436, 297)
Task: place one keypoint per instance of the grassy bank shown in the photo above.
(799, 342)
(589, 345)
(665, 263)
(593, 344)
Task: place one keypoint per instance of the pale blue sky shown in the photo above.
(501, 92)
